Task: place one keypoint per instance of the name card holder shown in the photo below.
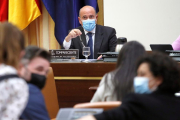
(64, 54)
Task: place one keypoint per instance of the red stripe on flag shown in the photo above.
(3, 10)
(39, 5)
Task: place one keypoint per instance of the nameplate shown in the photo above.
(64, 54)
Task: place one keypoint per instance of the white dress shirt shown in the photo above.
(104, 93)
(67, 45)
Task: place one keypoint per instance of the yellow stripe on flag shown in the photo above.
(23, 12)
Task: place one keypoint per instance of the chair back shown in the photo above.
(50, 95)
(104, 105)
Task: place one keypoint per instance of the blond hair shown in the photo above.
(11, 44)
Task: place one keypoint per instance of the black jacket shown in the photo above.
(155, 106)
(105, 40)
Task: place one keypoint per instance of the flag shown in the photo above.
(23, 12)
(65, 14)
(3, 10)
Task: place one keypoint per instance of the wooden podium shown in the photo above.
(73, 80)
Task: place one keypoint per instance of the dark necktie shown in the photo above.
(90, 44)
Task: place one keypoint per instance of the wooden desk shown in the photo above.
(74, 79)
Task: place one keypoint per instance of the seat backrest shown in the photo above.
(50, 95)
(104, 105)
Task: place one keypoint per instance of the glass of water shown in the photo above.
(86, 53)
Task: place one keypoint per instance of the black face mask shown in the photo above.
(38, 80)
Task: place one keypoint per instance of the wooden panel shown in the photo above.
(101, 13)
(50, 95)
(73, 80)
(82, 69)
(71, 92)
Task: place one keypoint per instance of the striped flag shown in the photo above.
(23, 12)
(3, 10)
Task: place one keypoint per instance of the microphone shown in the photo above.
(120, 42)
(81, 41)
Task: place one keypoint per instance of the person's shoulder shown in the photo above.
(32, 86)
(112, 73)
(35, 95)
(108, 77)
(19, 84)
(105, 27)
(17, 80)
(137, 98)
(33, 89)
(107, 83)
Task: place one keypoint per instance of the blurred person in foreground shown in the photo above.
(118, 83)
(157, 81)
(176, 44)
(36, 67)
(13, 90)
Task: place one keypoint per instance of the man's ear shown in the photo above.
(96, 18)
(80, 21)
(160, 80)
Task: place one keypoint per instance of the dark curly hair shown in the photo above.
(162, 65)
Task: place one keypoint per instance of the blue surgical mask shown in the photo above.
(89, 24)
(141, 85)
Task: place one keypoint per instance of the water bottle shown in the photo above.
(120, 42)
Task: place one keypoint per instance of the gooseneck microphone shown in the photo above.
(81, 41)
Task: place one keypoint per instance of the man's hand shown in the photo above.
(73, 34)
(99, 57)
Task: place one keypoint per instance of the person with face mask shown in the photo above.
(98, 38)
(36, 67)
(13, 89)
(115, 85)
(157, 81)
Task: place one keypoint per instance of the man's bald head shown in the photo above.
(87, 8)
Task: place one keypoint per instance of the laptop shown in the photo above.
(73, 114)
(161, 47)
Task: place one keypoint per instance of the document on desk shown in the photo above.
(89, 60)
